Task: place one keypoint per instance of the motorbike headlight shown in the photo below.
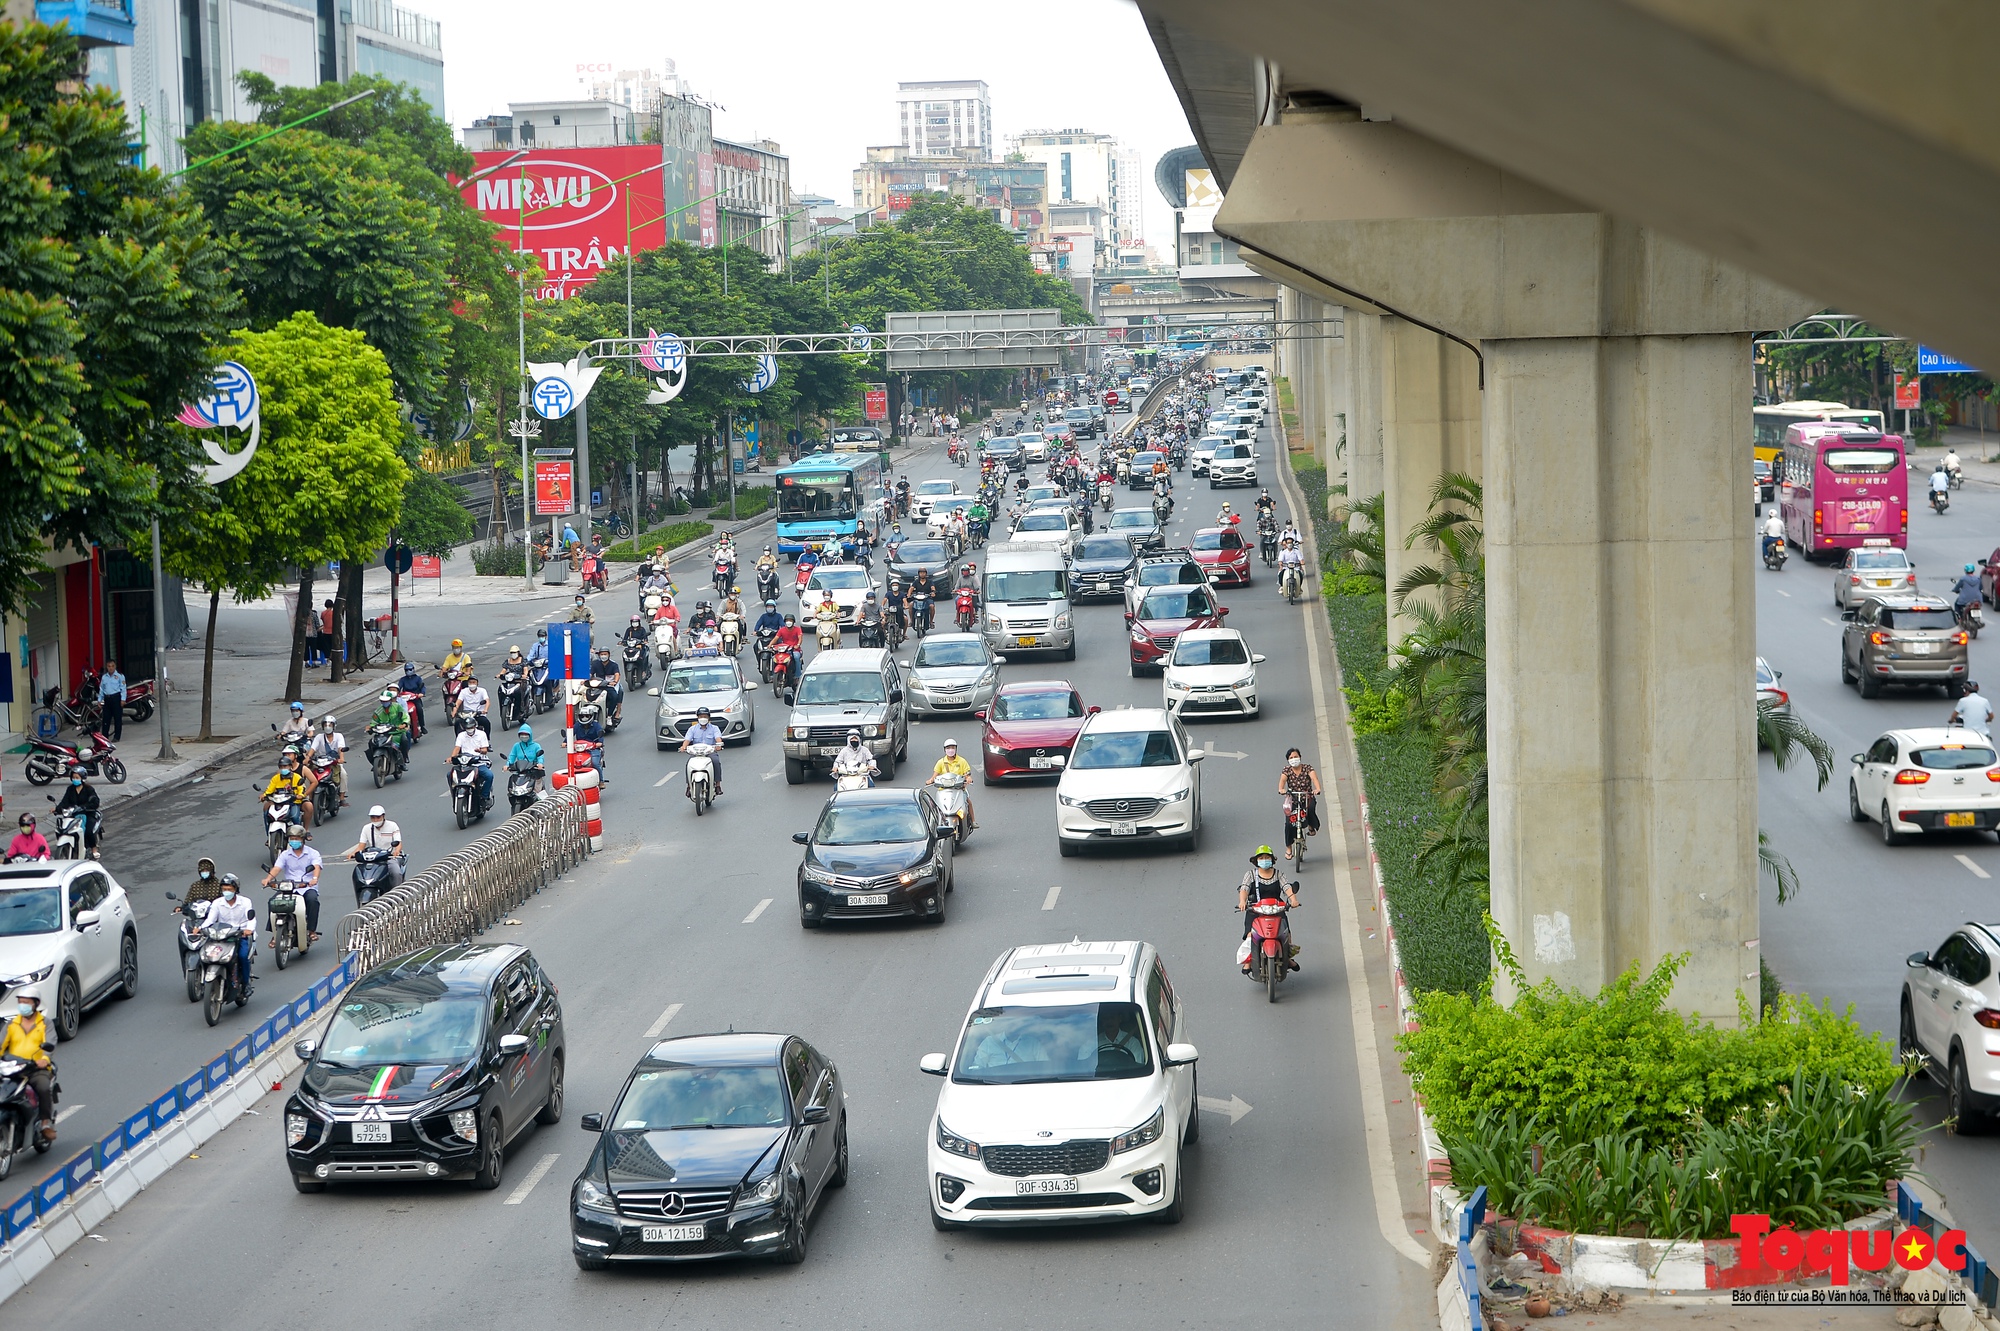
(295, 1129)
(955, 1144)
(465, 1123)
(593, 1198)
(1145, 1134)
(765, 1189)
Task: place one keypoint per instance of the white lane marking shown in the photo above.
(1977, 872)
(653, 1031)
(1360, 1002)
(777, 771)
(751, 918)
(535, 1175)
(1824, 620)
(62, 1114)
(1049, 901)
(1233, 1106)
(1782, 592)
(668, 777)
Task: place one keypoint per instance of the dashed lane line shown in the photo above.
(1049, 901)
(668, 777)
(762, 906)
(653, 1031)
(535, 1175)
(1977, 872)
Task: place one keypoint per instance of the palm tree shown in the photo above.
(1787, 737)
(1360, 541)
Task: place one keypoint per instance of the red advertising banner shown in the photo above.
(554, 492)
(899, 203)
(876, 404)
(570, 208)
(1909, 393)
(426, 566)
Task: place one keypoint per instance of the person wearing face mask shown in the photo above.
(299, 863)
(82, 797)
(1299, 781)
(26, 1037)
(233, 908)
(206, 886)
(28, 844)
(1262, 883)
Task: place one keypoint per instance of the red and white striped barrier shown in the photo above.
(586, 779)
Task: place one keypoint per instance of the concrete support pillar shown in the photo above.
(1430, 426)
(1363, 346)
(1299, 369)
(1621, 625)
(1333, 375)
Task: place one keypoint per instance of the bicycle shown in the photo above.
(1295, 818)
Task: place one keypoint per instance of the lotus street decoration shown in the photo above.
(664, 354)
(560, 386)
(232, 404)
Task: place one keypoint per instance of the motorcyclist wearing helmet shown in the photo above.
(871, 616)
(1967, 590)
(292, 777)
(26, 1037)
(770, 621)
(580, 612)
(82, 796)
(330, 746)
(28, 844)
(1265, 504)
(380, 832)
(412, 683)
(603, 667)
(296, 863)
(705, 731)
(1228, 517)
(1263, 883)
(636, 631)
(456, 657)
(297, 730)
(953, 765)
(855, 759)
(389, 711)
(473, 701)
(792, 639)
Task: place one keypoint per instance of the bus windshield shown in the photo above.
(1860, 461)
(810, 500)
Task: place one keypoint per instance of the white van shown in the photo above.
(1026, 592)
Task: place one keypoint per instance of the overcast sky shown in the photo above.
(821, 78)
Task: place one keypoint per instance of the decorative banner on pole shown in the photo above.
(861, 331)
(767, 374)
(559, 386)
(233, 404)
(1909, 393)
(875, 403)
(666, 355)
(554, 490)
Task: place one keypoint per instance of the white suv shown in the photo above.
(1916, 782)
(1070, 1095)
(1951, 1015)
(1131, 774)
(66, 936)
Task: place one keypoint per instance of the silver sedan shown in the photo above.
(952, 674)
(714, 682)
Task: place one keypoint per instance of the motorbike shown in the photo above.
(725, 574)
(1267, 544)
(375, 875)
(1971, 617)
(451, 681)
(466, 806)
(542, 685)
(281, 809)
(1291, 581)
(220, 984)
(784, 665)
(187, 935)
(287, 912)
(871, 633)
(412, 704)
(951, 451)
(48, 760)
(846, 777)
(1940, 501)
(594, 577)
(767, 584)
(1163, 508)
(829, 634)
(597, 694)
(68, 841)
(762, 651)
(638, 663)
(952, 803)
(139, 701)
(513, 690)
(968, 610)
(1774, 558)
(701, 776)
(732, 633)
(920, 611)
(524, 787)
(1269, 962)
(326, 795)
(385, 755)
(666, 643)
(1957, 475)
(1104, 495)
(20, 1113)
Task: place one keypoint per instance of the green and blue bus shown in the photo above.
(821, 497)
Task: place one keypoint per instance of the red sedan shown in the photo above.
(1030, 727)
(1224, 553)
(1163, 615)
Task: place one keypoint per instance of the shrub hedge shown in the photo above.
(680, 534)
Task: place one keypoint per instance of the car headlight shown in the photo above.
(1145, 1134)
(815, 874)
(800, 732)
(465, 1123)
(765, 1189)
(1139, 634)
(295, 1129)
(993, 621)
(991, 747)
(955, 1144)
(930, 868)
(1249, 681)
(874, 732)
(1066, 800)
(593, 1198)
(1062, 621)
(1183, 793)
(32, 977)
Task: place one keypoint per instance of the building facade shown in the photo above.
(755, 180)
(946, 119)
(1090, 169)
(1014, 194)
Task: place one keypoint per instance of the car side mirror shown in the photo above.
(1777, 674)
(1256, 658)
(749, 686)
(1859, 758)
(1849, 615)
(999, 660)
(801, 838)
(591, 1123)
(652, 693)
(1180, 1055)
(931, 1063)
(303, 1050)
(947, 829)
(511, 1045)
(1196, 755)
(86, 919)
(815, 1114)
(1092, 710)
(1917, 960)
(980, 714)
(1222, 612)
(1128, 618)
(905, 664)
(895, 695)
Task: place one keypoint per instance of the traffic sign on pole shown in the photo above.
(1936, 362)
(397, 559)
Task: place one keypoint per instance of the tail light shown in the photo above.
(1911, 777)
(1853, 580)
(1993, 775)
(1912, 579)
(1784, 699)
(1961, 638)
(1906, 522)
(1878, 637)
(1817, 519)
(1988, 1017)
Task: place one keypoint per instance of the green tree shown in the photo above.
(433, 518)
(326, 484)
(113, 295)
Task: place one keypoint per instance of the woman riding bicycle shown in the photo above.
(1298, 781)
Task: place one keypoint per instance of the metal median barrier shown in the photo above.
(469, 891)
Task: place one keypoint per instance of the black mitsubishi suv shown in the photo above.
(429, 1066)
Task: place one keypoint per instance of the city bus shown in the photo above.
(820, 497)
(1772, 419)
(1840, 485)
(857, 439)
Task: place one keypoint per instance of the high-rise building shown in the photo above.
(639, 90)
(1093, 170)
(1013, 194)
(946, 119)
(756, 184)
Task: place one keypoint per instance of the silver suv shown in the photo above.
(847, 688)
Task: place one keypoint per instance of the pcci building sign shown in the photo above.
(574, 209)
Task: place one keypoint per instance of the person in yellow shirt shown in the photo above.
(24, 1037)
(300, 782)
(953, 765)
(456, 657)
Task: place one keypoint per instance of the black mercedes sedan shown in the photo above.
(1100, 566)
(917, 556)
(717, 1146)
(875, 854)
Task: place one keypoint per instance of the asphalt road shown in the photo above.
(693, 924)
(1866, 906)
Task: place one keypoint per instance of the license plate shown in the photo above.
(1884, 582)
(868, 899)
(1024, 642)
(369, 1134)
(1043, 1187)
(1042, 762)
(672, 1233)
(1961, 819)
(1923, 649)
(1124, 829)
(829, 750)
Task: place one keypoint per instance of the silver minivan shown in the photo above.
(843, 689)
(1026, 596)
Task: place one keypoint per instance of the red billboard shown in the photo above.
(553, 491)
(899, 203)
(875, 403)
(1909, 394)
(571, 208)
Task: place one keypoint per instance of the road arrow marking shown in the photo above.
(751, 918)
(1225, 753)
(653, 1031)
(1049, 901)
(1233, 1107)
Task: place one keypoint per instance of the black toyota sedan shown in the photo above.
(717, 1146)
(876, 854)
(430, 1065)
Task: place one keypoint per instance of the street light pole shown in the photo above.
(167, 753)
